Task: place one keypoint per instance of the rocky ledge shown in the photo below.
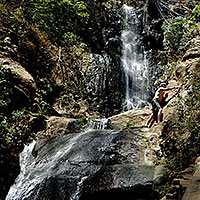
(91, 164)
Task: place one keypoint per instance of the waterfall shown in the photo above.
(64, 163)
(134, 61)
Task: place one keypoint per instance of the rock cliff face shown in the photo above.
(103, 86)
(191, 60)
(183, 147)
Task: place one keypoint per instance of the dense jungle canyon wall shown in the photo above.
(52, 74)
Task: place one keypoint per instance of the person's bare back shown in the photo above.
(159, 94)
(158, 98)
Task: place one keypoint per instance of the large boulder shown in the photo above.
(18, 83)
(93, 164)
(132, 118)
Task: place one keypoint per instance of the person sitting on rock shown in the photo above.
(159, 102)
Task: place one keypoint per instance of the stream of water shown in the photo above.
(134, 61)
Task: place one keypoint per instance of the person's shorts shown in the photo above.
(156, 105)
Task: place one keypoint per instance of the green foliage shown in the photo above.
(162, 189)
(82, 120)
(4, 126)
(173, 33)
(178, 31)
(4, 90)
(191, 103)
(6, 45)
(57, 18)
(15, 130)
(117, 92)
(128, 124)
(14, 127)
(45, 88)
(169, 71)
(196, 14)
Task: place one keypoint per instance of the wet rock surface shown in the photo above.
(96, 163)
(103, 84)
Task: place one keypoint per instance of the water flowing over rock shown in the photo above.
(98, 123)
(103, 83)
(103, 78)
(121, 76)
(134, 61)
(89, 165)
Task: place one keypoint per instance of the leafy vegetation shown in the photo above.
(59, 19)
(178, 31)
(182, 133)
(128, 124)
(4, 90)
(173, 33)
(19, 128)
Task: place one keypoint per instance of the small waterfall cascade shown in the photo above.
(63, 162)
(35, 171)
(58, 168)
(98, 124)
(134, 61)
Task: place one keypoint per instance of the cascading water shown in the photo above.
(97, 124)
(134, 61)
(63, 163)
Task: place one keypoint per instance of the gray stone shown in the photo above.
(193, 188)
(20, 85)
(161, 174)
(86, 165)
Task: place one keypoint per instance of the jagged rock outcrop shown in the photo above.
(181, 147)
(103, 84)
(191, 60)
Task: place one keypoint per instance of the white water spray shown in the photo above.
(134, 62)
